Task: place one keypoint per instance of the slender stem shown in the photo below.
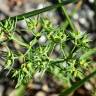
(54, 62)
(57, 61)
(67, 16)
(36, 12)
(33, 42)
(77, 85)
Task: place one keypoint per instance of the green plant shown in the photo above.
(74, 51)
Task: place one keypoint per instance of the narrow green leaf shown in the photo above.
(36, 12)
(88, 54)
(65, 13)
(77, 85)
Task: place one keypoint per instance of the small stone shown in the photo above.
(40, 93)
(91, 1)
(1, 90)
(22, 24)
(45, 88)
(88, 86)
(57, 48)
(76, 16)
(40, 6)
(54, 94)
(84, 22)
(34, 86)
(42, 39)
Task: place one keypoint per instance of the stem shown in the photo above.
(19, 42)
(68, 18)
(57, 61)
(54, 62)
(32, 43)
(77, 85)
(36, 12)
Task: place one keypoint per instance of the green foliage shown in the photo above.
(38, 59)
(71, 61)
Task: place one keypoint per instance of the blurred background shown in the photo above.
(84, 19)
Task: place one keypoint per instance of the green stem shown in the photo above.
(36, 12)
(77, 85)
(54, 62)
(67, 16)
(32, 43)
(57, 61)
(19, 42)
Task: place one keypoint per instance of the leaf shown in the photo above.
(88, 54)
(36, 12)
(77, 85)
